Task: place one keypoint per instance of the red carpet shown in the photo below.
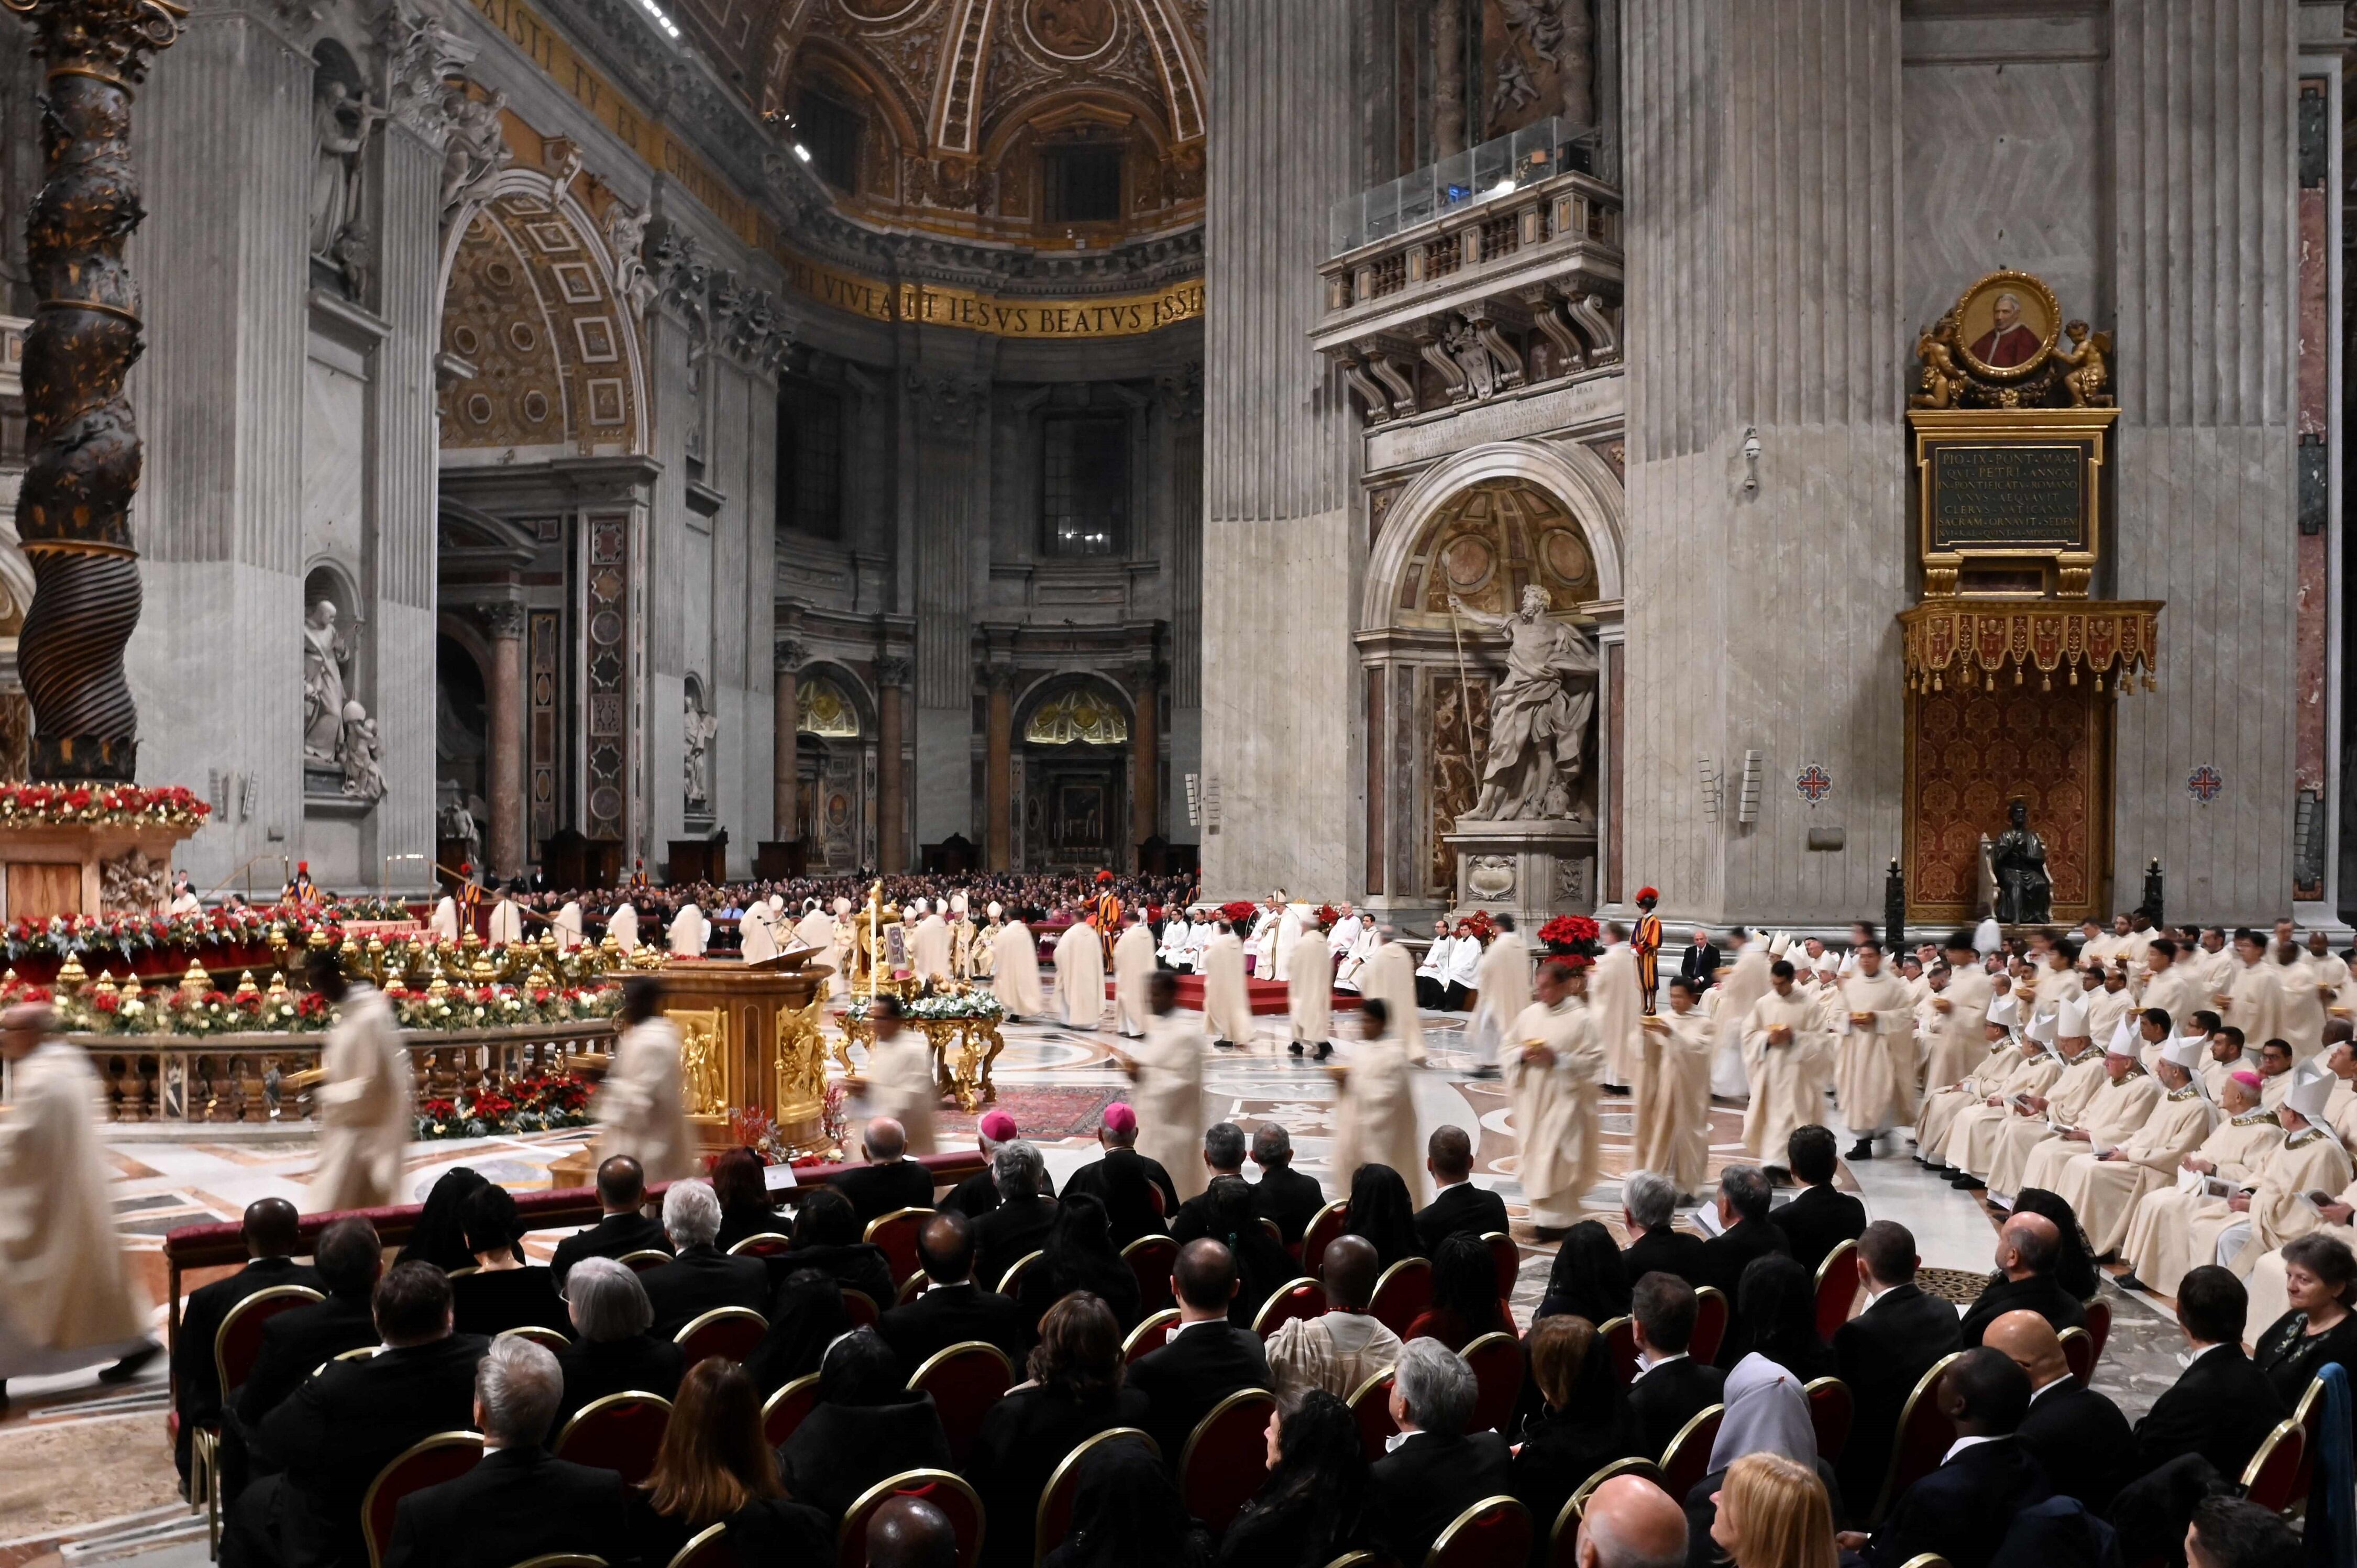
(1267, 995)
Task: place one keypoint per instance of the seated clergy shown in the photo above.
(952, 1308)
(519, 1502)
(1118, 1136)
(2103, 1185)
(1341, 1348)
(613, 1350)
(1283, 1194)
(1437, 1470)
(1961, 1511)
(1457, 1205)
(2026, 1249)
(702, 1277)
(890, 1179)
(2233, 1156)
(1206, 1358)
(1649, 1205)
(2078, 1436)
(621, 1196)
(271, 1231)
(1884, 1351)
(1671, 1387)
(2111, 1117)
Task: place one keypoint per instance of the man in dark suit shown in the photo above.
(330, 1438)
(2222, 1407)
(978, 1194)
(1649, 1206)
(1818, 1218)
(519, 1501)
(295, 1343)
(1700, 964)
(621, 1192)
(890, 1179)
(1282, 1194)
(1436, 1472)
(1459, 1205)
(272, 1230)
(2026, 1251)
(1018, 1226)
(1747, 1233)
(1671, 1388)
(1118, 1136)
(1883, 1353)
(701, 1276)
(1206, 1359)
(2078, 1436)
(1962, 1510)
(953, 1309)
(1223, 1154)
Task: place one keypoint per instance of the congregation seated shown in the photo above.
(1585, 1422)
(2222, 1406)
(1963, 1509)
(1775, 1316)
(1819, 1218)
(827, 1238)
(744, 1194)
(1649, 1207)
(1341, 1348)
(2076, 1435)
(1383, 1212)
(1768, 1511)
(808, 1314)
(1018, 1226)
(1223, 1155)
(2028, 1247)
(504, 1292)
(713, 1468)
(271, 1231)
(910, 1532)
(867, 1424)
(1313, 1507)
(1076, 1389)
(625, 1228)
(1206, 1358)
(1671, 1387)
(1078, 1254)
(348, 1257)
(1120, 1179)
(890, 1179)
(1262, 1263)
(977, 1195)
(1883, 1352)
(518, 1502)
(1465, 1300)
(2319, 1330)
(954, 1309)
(1127, 1513)
(612, 1351)
(1589, 1276)
(438, 1235)
(1282, 1194)
(701, 1276)
(1747, 1233)
(1457, 1206)
(323, 1445)
(1438, 1470)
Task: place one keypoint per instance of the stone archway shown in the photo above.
(834, 767)
(1071, 788)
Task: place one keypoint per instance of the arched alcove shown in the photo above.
(834, 763)
(1072, 785)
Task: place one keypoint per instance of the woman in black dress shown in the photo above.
(2319, 1271)
(713, 1468)
(744, 1194)
(1776, 1312)
(1465, 1302)
(827, 1237)
(1075, 1392)
(1382, 1211)
(1080, 1256)
(1127, 1513)
(1588, 1278)
(1585, 1424)
(503, 1292)
(868, 1425)
(1310, 1511)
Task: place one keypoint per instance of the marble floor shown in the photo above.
(1054, 1078)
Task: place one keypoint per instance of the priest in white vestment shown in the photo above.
(184, 896)
(816, 928)
(1746, 982)
(1969, 1149)
(1551, 1058)
(2251, 995)
(1390, 978)
(568, 925)
(1501, 984)
(444, 921)
(2104, 1185)
(1014, 973)
(1874, 1062)
(2279, 1209)
(2300, 1002)
(1260, 942)
(67, 1296)
(1288, 931)
(362, 1106)
(1670, 1100)
(1166, 1072)
(2171, 983)
(898, 1082)
(507, 921)
(929, 947)
(2231, 1160)
(1309, 993)
(1786, 1057)
(689, 932)
(1080, 975)
(622, 925)
(1374, 1114)
(1227, 1001)
(757, 938)
(1958, 1038)
(1618, 1000)
(2107, 1095)
(1133, 966)
(2001, 1053)
(640, 1109)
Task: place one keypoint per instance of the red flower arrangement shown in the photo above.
(1327, 914)
(1571, 938)
(1479, 922)
(1239, 911)
(122, 804)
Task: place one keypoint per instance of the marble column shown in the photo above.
(785, 739)
(891, 790)
(505, 623)
(998, 773)
(1144, 755)
(1448, 77)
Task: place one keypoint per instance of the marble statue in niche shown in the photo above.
(341, 126)
(698, 729)
(1538, 716)
(339, 738)
(364, 754)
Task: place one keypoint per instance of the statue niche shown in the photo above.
(341, 753)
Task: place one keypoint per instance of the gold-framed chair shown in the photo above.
(1052, 1520)
(237, 1344)
(1013, 1278)
(620, 1431)
(966, 1380)
(730, 1331)
(428, 1462)
(769, 1243)
(1562, 1539)
(1226, 1458)
(1922, 1439)
(1492, 1532)
(895, 1235)
(947, 1492)
(1150, 1334)
(788, 1408)
(1688, 1459)
(1837, 1281)
(540, 1334)
(645, 1258)
(708, 1548)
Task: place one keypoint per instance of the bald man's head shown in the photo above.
(910, 1532)
(2027, 1245)
(885, 1139)
(271, 1228)
(1350, 1270)
(1631, 1523)
(2032, 1344)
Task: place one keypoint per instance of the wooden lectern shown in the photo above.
(750, 1039)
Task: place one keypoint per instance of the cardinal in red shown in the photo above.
(2007, 342)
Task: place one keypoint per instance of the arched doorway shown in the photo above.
(834, 767)
(1072, 782)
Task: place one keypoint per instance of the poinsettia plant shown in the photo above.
(1570, 937)
(117, 805)
(533, 1102)
(1239, 911)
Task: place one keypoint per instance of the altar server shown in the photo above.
(1874, 1073)
(1080, 975)
(2231, 1160)
(2103, 1185)
(928, 945)
(1133, 965)
(1374, 1114)
(362, 1105)
(1015, 969)
(1785, 1057)
(1309, 991)
(1616, 994)
(1431, 975)
(1957, 1041)
(641, 1105)
(1390, 979)
(1551, 1059)
(689, 931)
(1227, 1002)
(1165, 1071)
(1672, 1094)
(1502, 984)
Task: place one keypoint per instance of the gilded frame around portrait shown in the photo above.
(1980, 331)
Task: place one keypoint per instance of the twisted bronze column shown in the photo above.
(82, 449)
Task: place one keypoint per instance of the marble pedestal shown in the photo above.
(1530, 870)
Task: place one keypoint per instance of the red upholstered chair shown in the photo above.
(1837, 1279)
(1619, 1335)
(237, 1343)
(730, 1331)
(1150, 1334)
(1923, 1439)
(966, 1380)
(1300, 1298)
(1508, 1256)
(1372, 1407)
(860, 1307)
(2099, 1324)
(547, 1338)
(785, 1410)
(1226, 1458)
(1688, 1459)
(2309, 1413)
(1012, 1280)
(1053, 1521)
(939, 1488)
(1492, 1532)
(621, 1432)
(1831, 1411)
(642, 1260)
(1402, 1294)
(1563, 1543)
(1274, 1231)
(1710, 1324)
(1151, 1258)
(2079, 1353)
(2271, 1478)
(896, 1233)
(767, 1244)
(1497, 1363)
(708, 1548)
(429, 1462)
(1324, 1226)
